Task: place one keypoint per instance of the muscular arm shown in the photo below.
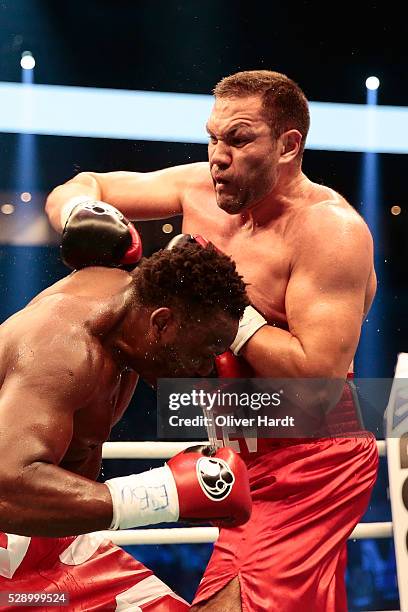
(325, 301)
(138, 195)
(52, 379)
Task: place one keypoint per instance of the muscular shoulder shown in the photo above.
(54, 346)
(332, 243)
(331, 223)
(197, 189)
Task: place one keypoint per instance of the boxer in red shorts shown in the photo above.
(69, 364)
(307, 257)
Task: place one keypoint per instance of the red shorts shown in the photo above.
(291, 555)
(95, 573)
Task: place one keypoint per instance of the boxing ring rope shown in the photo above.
(197, 535)
(203, 535)
(164, 450)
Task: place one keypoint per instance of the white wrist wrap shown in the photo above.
(70, 205)
(250, 322)
(144, 499)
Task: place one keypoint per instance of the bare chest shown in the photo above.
(93, 423)
(261, 255)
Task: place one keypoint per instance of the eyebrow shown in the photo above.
(235, 128)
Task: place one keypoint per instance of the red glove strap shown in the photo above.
(134, 252)
(200, 240)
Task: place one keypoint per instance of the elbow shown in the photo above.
(90, 182)
(316, 395)
(9, 492)
(327, 394)
(324, 367)
(325, 385)
(9, 481)
(50, 204)
(88, 179)
(83, 183)
(19, 503)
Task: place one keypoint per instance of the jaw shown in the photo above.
(240, 199)
(230, 203)
(231, 207)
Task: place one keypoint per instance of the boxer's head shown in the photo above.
(258, 126)
(191, 300)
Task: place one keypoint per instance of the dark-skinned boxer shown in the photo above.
(69, 363)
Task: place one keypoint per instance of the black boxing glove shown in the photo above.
(97, 234)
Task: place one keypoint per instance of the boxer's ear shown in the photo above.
(289, 144)
(162, 323)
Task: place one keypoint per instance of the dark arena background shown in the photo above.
(358, 145)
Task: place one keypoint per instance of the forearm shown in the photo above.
(276, 353)
(46, 500)
(138, 195)
(84, 184)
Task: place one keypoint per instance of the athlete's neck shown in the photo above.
(288, 193)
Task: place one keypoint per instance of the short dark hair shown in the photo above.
(284, 103)
(202, 278)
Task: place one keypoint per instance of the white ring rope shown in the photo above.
(197, 535)
(164, 450)
(177, 535)
(201, 535)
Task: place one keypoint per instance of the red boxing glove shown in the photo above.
(212, 485)
(228, 365)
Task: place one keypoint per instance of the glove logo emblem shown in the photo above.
(215, 477)
(100, 208)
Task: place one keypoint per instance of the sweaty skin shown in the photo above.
(69, 364)
(305, 252)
